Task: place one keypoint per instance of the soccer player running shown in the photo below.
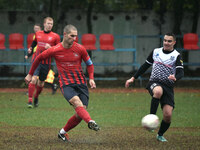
(68, 56)
(31, 52)
(167, 68)
(44, 39)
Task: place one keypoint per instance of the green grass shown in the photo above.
(118, 114)
(107, 109)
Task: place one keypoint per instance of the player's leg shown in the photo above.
(31, 86)
(80, 104)
(39, 88)
(54, 87)
(79, 108)
(167, 104)
(156, 92)
(77, 96)
(31, 89)
(83, 113)
(43, 72)
(71, 123)
(165, 124)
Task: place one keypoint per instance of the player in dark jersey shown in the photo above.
(44, 39)
(167, 68)
(68, 56)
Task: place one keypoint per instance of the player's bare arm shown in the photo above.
(129, 81)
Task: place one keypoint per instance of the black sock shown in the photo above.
(163, 127)
(154, 105)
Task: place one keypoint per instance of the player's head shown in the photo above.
(37, 27)
(69, 34)
(48, 24)
(169, 41)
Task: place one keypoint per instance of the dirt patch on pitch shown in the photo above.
(122, 138)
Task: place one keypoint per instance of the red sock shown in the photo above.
(82, 112)
(71, 123)
(38, 91)
(31, 89)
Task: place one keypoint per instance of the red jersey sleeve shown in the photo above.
(46, 54)
(88, 62)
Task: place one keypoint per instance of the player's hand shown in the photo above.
(26, 57)
(30, 50)
(28, 79)
(92, 84)
(172, 77)
(131, 80)
(47, 46)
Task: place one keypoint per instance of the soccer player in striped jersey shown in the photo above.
(44, 39)
(167, 68)
(68, 56)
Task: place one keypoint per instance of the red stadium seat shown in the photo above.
(190, 41)
(89, 41)
(30, 39)
(106, 41)
(2, 41)
(16, 41)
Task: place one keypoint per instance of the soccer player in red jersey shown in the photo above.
(44, 39)
(68, 56)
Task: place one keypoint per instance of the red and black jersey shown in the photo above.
(68, 63)
(41, 38)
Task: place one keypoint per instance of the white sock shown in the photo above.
(62, 131)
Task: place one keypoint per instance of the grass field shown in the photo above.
(118, 112)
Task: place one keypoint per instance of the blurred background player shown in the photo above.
(44, 39)
(68, 56)
(36, 27)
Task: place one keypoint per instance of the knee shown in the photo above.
(157, 92)
(167, 117)
(76, 102)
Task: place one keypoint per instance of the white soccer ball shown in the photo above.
(150, 122)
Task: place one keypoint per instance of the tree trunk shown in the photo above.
(89, 20)
(195, 16)
(53, 12)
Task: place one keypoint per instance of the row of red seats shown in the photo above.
(106, 41)
(16, 41)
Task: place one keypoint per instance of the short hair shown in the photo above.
(69, 28)
(37, 24)
(171, 34)
(48, 18)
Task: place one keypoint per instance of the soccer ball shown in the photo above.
(150, 122)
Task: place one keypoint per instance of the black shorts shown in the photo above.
(42, 71)
(168, 93)
(80, 90)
